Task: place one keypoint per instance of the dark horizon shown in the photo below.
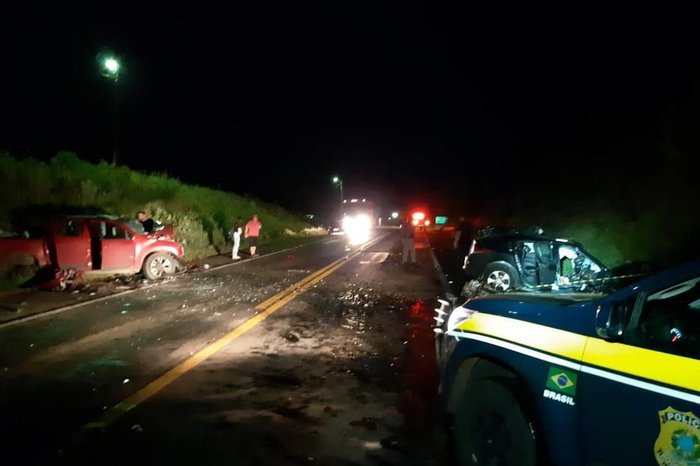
(417, 103)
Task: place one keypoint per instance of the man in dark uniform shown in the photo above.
(463, 239)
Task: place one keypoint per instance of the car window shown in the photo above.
(575, 264)
(135, 225)
(670, 319)
(112, 231)
(70, 228)
(566, 261)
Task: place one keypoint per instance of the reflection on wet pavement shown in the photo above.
(420, 375)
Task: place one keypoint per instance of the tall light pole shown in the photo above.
(339, 182)
(110, 67)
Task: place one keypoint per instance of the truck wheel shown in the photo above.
(491, 428)
(158, 265)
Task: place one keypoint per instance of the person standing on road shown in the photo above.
(462, 241)
(236, 232)
(252, 232)
(408, 234)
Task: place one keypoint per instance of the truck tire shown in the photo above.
(491, 427)
(159, 265)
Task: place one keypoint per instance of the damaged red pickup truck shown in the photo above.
(96, 243)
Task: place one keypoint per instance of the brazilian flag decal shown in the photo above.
(561, 381)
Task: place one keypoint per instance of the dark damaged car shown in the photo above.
(501, 261)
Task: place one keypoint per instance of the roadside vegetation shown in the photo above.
(640, 225)
(631, 202)
(202, 217)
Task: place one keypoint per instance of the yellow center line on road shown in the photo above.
(266, 308)
(296, 286)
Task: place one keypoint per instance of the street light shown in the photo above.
(110, 68)
(339, 182)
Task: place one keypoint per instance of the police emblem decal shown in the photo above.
(678, 443)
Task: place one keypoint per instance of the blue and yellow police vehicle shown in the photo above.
(575, 378)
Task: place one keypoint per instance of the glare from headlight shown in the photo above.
(357, 228)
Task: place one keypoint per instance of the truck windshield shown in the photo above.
(135, 225)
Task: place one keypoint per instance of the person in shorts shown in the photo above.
(252, 233)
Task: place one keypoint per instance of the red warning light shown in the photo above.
(420, 216)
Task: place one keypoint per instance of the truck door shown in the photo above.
(70, 244)
(117, 247)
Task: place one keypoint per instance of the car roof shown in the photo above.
(527, 237)
(96, 216)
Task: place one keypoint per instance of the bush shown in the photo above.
(657, 230)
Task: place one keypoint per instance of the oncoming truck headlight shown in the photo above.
(357, 228)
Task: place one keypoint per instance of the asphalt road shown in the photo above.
(320, 355)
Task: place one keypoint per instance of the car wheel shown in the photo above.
(491, 428)
(501, 277)
(158, 265)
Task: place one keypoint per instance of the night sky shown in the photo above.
(405, 101)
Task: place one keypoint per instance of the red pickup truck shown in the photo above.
(96, 243)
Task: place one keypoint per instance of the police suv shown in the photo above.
(542, 378)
